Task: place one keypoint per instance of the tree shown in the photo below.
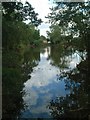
(55, 34)
(17, 33)
(17, 59)
(16, 11)
(74, 19)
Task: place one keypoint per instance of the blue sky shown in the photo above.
(42, 8)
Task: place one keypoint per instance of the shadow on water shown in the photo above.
(49, 82)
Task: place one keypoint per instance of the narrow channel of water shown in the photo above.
(44, 85)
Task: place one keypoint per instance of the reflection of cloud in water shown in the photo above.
(42, 86)
(42, 75)
(40, 109)
(44, 91)
(43, 106)
(75, 60)
(72, 61)
(30, 98)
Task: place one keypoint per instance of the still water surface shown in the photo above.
(45, 84)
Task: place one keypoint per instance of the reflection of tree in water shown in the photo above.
(31, 59)
(76, 103)
(13, 78)
(59, 56)
(12, 82)
(65, 58)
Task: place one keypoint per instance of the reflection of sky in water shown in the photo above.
(74, 60)
(42, 87)
(71, 61)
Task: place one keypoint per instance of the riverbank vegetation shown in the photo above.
(71, 23)
(21, 44)
(17, 38)
(70, 29)
(16, 32)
